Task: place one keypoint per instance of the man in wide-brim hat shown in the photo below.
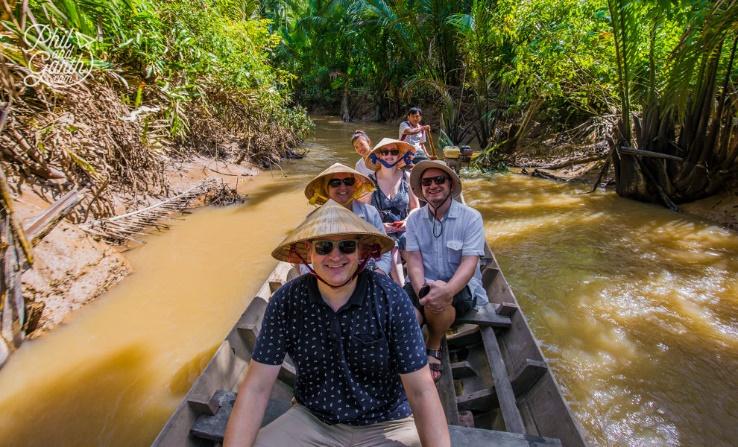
(355, 342)
(346, 186)
(445, 240)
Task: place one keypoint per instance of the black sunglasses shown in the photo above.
(336, 182)
(389, 151)
(326, 247)
(438, 180)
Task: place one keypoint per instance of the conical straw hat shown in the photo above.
(331, 219)
(403, 146)
(316, 191)
(424, 165)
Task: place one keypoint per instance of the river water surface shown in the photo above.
(636, 309)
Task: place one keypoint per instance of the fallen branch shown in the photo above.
(42, 224)
(565, 163)
(548, 176)
(651, 154)
(545, 175)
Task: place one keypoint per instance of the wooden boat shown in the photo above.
(495, 378)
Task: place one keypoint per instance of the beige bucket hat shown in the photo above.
(372, 158)
(331, 219)
(317, 192)
(424, 165)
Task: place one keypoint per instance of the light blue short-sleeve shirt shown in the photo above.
(463, 235)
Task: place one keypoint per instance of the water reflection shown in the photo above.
(636, 307)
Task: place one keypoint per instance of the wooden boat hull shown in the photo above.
(473, 394)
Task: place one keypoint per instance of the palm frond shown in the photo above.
(124, 227)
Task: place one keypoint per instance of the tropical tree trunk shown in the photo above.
(686, 134)
(345, 111)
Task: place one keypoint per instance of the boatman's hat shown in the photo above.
(332, 219)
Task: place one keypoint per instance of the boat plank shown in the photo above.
(503, 388)
(445, 387)
(475, 437)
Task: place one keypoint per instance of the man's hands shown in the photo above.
(438, 298)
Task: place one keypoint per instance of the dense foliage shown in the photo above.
(480, 61)
(167, 77)
(665, 68)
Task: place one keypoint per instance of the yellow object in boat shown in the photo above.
(452, 152)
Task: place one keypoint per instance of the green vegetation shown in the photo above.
(198, 74)
(654, 75)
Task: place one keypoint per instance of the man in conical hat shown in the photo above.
(346, 186)
(352, 334)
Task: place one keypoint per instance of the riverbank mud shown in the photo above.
(72, 268)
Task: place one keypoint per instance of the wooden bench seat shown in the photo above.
(485, 316)
(476, 437)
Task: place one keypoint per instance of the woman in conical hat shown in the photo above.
(346, 186)
(393, 197)
(335, 223)
(318, 190)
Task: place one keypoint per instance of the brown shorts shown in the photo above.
(298, 427)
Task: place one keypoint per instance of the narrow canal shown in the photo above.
(636, 309)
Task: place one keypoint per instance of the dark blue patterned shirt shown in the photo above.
(348, 362)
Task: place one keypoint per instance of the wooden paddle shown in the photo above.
(432, 146)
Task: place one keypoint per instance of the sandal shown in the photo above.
(435, 368)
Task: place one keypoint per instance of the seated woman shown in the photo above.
(344, 185)
(393, 197)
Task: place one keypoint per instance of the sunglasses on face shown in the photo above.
(326, 247)
(389, 151)
(336, 182)
(438, 180)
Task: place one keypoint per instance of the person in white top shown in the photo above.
(362, 145)
(411, 131)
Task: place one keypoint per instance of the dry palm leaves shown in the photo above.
(57, 141)
(122, 228)
(224, 195)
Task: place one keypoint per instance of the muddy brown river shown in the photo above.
(635, 307)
